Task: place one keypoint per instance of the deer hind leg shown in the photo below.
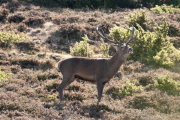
(65, 82)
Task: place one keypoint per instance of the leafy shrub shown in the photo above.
(4, 77)
(168, 56)
(105, 50)
(130, 88)
(164, 9)
(6, 38)
(52, 97)
(82, 48)
(140, 17)
(119, 33)
(165, 83)
(152, 44)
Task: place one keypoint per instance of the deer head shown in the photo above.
(121, 45)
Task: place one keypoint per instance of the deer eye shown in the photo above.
(122, 47)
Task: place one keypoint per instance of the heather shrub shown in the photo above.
(9, 105)
(16, 18)
(142, 101)
(52, 85)
(82, 48)
(71, 31)
(164, 9)
(146, 79)
(13, 6)
(27, 46)
(3, 14)
(34, 21)
(15, 69)
(22, 27)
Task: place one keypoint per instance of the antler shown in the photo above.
(131, 39)
(104, 37)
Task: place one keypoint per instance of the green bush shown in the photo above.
(152, 44)
(6, 38)
(165, 83)
(147, 44)
(130, 88)
(164, 9)
(105, 50)
(119, 33)
(140, 17)
(4, 77)
(168, 56)
(82, 48)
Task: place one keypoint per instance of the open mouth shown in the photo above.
(130, 50)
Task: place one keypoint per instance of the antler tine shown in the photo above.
(104, 36)
(126, 28)
(131, 39)
(116, 39)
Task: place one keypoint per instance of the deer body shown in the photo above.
(90, 69)
(98, 71)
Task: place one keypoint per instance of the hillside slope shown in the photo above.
(40, 37)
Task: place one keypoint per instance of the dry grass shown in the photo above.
(31, 92)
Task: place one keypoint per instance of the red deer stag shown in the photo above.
(98, 71)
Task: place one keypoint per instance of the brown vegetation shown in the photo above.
(31, 91)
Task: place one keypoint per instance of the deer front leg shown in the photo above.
(100, 87)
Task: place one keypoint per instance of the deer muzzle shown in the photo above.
(130, 50)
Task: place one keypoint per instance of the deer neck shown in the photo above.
(116, 61)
